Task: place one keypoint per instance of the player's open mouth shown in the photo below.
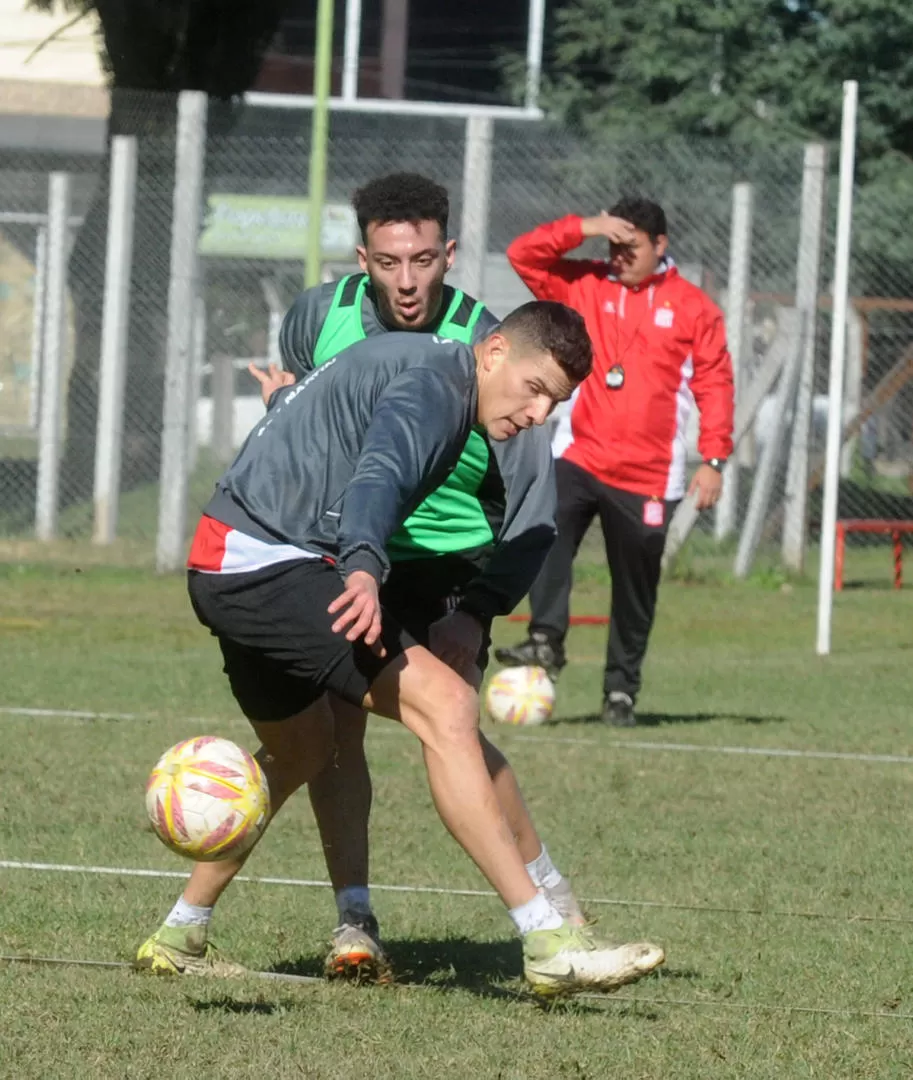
(408, 310)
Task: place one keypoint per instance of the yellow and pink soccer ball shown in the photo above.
(207, 798)
(524, 696)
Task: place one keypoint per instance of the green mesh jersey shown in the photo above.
(452, 518)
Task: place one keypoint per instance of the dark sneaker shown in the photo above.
(618, 710)
(537, 651)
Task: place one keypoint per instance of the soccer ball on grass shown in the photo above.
(524, 696)
(207, 799)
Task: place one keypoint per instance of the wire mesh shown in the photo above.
(539, 171)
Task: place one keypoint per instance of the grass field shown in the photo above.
(779, 883)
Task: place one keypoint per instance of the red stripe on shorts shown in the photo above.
(208, 548)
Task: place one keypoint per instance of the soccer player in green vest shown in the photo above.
(468, 553)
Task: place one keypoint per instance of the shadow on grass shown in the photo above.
(656, 719)
(455, 963)
(242, 1008)
(490, 970)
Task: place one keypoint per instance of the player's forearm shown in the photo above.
(545, 245)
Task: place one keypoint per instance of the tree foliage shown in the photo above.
(761, 74)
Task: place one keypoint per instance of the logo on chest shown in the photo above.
(664, 317)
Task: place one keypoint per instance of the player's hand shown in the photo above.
(456, 640)
(271, 380)
(615, 229)
(706, 485)
(359, 611)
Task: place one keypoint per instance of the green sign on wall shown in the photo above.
(274, 227)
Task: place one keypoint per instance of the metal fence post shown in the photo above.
(38, 304)
(852, 402)
(811, 227)
(196, 381)
(762, 488)
(114, 334)
(736, 328)
(182, 293)
(55, 347)
(836, 372)
(476, 200)
(222, 395)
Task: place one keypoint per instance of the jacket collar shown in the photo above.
(666, 270)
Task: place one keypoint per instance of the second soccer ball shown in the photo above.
(524, 696)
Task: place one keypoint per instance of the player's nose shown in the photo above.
(405, 279)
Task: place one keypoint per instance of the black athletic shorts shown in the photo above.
(418, 592)
(274, 630)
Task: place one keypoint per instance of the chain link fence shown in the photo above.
(504, 176)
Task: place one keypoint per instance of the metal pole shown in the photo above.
(38, 303)
(838, 355)
(115, 320)
(762, 488)
(55, 345)
(811, 228)
(317, 173)
(196, 379)
(222, 394)
(476, 196)
(736, 324)
(394, 36)
(351, 50)
(534, 39)
(182, 292)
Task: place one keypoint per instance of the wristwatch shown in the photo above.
(715, 463)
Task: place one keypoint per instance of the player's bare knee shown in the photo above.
(451, 714)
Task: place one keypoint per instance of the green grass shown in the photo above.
(772, 881)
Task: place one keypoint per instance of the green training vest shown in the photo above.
(451, 518)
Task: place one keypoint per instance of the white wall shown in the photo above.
(71, 58)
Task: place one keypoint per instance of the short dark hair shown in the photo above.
(401, 196)
(547, 326)
(644, 214)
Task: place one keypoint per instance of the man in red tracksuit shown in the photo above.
(659, 346)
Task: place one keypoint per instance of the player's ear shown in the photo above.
(362, 254)
(662, 243)
(496, 349)
(450, 253)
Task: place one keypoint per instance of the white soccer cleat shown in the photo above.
(357, 954)
(570, 960)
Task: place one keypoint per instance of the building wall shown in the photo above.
(63, 78)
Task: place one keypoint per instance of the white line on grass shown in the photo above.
(69, 714)
(306, 883)
(615, 744)
(277, 976)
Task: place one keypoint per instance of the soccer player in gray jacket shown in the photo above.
(469, 553)
(288, 559)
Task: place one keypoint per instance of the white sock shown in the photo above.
(184, 914)
(356, 898)
(535, 914)
(543, 871)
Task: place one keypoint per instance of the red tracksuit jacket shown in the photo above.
(663, 341)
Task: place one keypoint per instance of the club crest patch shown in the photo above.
(664, 317)
(654, 513)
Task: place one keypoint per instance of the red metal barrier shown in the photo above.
(576, 620)
(883, 526)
